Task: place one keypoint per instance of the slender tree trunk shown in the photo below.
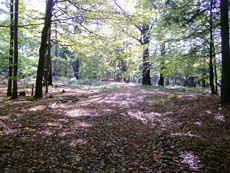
(56, 38)
(146, 79)
(10, 72)
(47, 64)
(215, 70)
(204, 70)
(203, 83)
(50, 76)
(161, 80)
(225, 80)
(54, 70)
(43, 48)
(75, 66)
(211, 45)
(15, 67)
(146, 68)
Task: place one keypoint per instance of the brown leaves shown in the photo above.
(125, 130)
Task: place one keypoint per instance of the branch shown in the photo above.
(139, 40)
(22, 26)
(119, 7)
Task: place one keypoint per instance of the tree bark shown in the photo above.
(75, 66)
(15, 66)
(10, 72)
(50, 76)
(215, 70)
(211, 45)
(43, 48)
(161, 80)
(146, 68)
(146, 79)
(225, 80)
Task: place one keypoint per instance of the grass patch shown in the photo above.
(162, 100)
(177, 89)
(91, 84)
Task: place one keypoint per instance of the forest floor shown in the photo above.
(116, 128)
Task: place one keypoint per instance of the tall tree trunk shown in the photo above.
(146, 79)
(211, 45)
(204, 70)
(43, 48)
(161, 80)
(146, 68)
(10, 72)
(15, 67)
(50, 76)
(54, 66)
(75, 66)
(215, 70)
(225, 84)
(47, 64)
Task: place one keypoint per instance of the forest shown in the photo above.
(114, 86)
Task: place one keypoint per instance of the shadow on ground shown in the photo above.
(125, 130)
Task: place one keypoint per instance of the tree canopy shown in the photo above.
(177, 42)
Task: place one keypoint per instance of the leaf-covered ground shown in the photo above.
(126, 128)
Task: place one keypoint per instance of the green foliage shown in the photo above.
(27, 67)
(105, 36)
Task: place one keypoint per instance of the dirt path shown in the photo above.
(127, 129)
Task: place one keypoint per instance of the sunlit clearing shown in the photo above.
(188, 96)
(7, 131)
(82, 125)
(68, 133)
(208, 112)
(37, 108)
(77, 142)
(54, 124)
(188, 134)
(4, 117)
(145, 117)
(220, 118)
(191, 160)
(198, 123)
(80, 112)
(63, 120)
(46, 133)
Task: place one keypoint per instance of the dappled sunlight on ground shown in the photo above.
(80, 113)
(82, 125)
(4, 117)
(191, 160)
(77, 142)
(129, 129)
(188, 134)
(46, 132)
(220, 118)
(38, 108)
(53, 124)
(144, 117)
(66, 133)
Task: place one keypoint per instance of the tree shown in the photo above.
(191, 29)
(225, 80)
(50, 77)
(44, 47)
(211, 50)
(15, 64)
(161, 80)
(144, 25)
(10, 72)
(145, 29)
